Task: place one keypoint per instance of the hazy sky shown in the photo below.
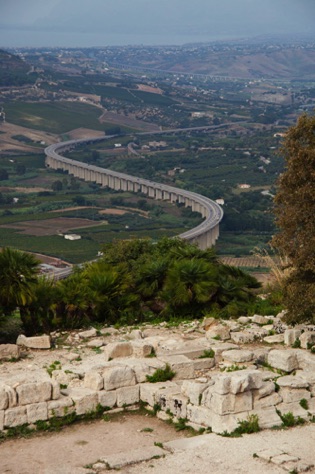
(108, 22)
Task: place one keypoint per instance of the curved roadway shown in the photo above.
(212, 212)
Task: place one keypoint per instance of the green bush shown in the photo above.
(161, 375)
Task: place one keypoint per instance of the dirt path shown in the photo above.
(81, 444)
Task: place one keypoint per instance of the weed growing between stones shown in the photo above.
(251, 425)
(146, 430)
(304, 403)
(234, 368)
(296, 344)
(161, 375)
(207, 354)
(289, 420)
(56, 365)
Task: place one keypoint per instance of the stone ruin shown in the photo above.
(225, 371)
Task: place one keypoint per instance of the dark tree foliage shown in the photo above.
(295, 217)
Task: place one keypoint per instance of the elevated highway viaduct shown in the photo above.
(204, 235)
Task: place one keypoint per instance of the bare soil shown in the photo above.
(82, 444)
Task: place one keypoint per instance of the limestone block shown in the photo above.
(60, 407)
(29, 393)
(257, 319)
(141, 349)
(135, 334)
(116, 350)
(230, 403)
(290, 395)
(35, 342)
(306, 361)
(37, 411)
(4, 398)
(109, 331)
(267, 417)
(236, 355)
(207, 323)
(96, 343)
(89, 333)
(269, 401)
(1, 420)
(228, 423)
(258, 332)
(243, 337)
(221, 347)
(194, 390)
(260, 356)
(178, 405)
(199, 415)
(107, 399)
(15, 417)
(237, 382)
(144, 367)
(291, 335)
(266, 389)
(9, 351)
(243, 319)
(311, 405)
(85, 400)
(294, 408)
(118, 376)
(128, 395)
(181, 365)
(205, 363)
(63, 377)
(148, 391)
(55, 394)
(94, 381)
(164, 395)
(218, 331)
(12, 396)
(283, 359)
(292, 381)
(274, 339)
(307, 339)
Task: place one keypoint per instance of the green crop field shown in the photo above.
(58, 117)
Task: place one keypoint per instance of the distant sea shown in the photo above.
(10, 38)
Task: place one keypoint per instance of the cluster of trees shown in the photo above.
(295, 217)
(134, 281)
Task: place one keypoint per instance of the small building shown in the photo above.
(244, 186)
(72, 236)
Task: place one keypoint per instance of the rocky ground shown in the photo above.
(246, 358)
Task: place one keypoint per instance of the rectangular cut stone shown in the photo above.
(203, 364)
(107, 399)
(4, 398)
(118, 377)
(178, 405)
(37, 411)
(270, 400)
(15, 417)
(295, 408)
(1, 420)
(85, 400)
(199, 415)
(9, 351)
(267, 417)
(141, 349)
(119, 460)
(115, 350)
(181, 365)
(290, 395)
(94, 381)
(61, 407)
(128, 395)
(36, 342)
(148, 391)
(29, 393)
(283, 359)
(55, 390)
(194, 390)
(164, 394)
(230, 403)
(266, 389)
(144, 367)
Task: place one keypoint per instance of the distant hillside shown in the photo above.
(13, 71)
(280, 62)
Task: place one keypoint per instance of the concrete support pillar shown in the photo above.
(166, 196)
(158, 194)
(144, 189)
(123, 185)
(151, 192)
(173, 197)
(117, 184)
